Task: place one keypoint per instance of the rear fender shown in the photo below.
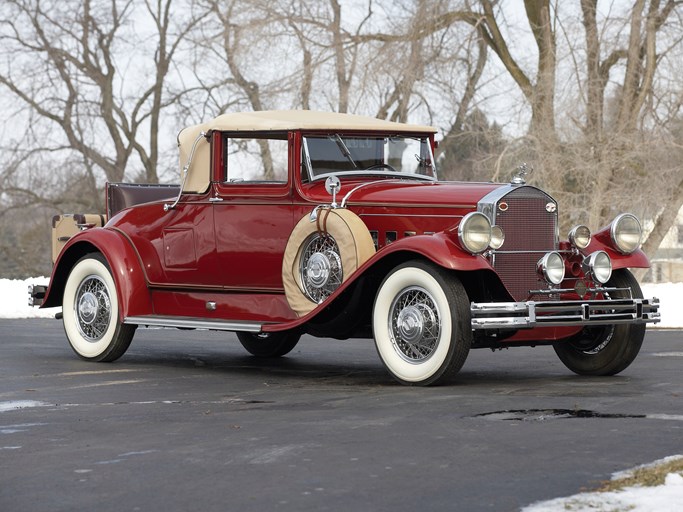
(131, 285)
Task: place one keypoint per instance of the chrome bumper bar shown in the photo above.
(36, 294)
(530, 314)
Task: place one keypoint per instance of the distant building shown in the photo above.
(667, 263)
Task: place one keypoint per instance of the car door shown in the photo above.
(252, 212)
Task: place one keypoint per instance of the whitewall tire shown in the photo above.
(90, 309)
(421, 323)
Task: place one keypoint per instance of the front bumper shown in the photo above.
(530, 314)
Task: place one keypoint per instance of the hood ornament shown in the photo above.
(518, 175)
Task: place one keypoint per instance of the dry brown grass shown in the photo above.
(644, 477)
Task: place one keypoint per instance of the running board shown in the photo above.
(182, 322)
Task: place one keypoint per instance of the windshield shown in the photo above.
(398, 156)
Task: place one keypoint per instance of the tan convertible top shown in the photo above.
(273, 120)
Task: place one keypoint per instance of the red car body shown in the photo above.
(213, 258)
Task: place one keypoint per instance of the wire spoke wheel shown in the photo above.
(320, 267)
(92, 308)
(414, 324)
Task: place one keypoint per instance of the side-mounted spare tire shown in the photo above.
(321, 254)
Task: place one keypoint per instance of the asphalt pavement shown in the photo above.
(187, 420)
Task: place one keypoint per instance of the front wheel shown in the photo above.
(605, 349)
(269, 344)
(421, 323)
(90, 310)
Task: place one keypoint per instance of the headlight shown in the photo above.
(497, 237)
(599, 266)
(551, 266)
(474, 232)
(626, 232)
(580, 237)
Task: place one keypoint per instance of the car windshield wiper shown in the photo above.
(345, 151)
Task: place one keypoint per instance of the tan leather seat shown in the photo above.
(68, 224)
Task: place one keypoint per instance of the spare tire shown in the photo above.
(321, 254)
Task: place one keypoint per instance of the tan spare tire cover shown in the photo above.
(353, 241)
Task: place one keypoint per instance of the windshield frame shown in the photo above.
(336, 136)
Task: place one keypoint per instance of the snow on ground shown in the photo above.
(662, 498)
(14, 301)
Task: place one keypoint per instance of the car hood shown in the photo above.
(414, 193)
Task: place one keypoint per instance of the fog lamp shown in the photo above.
(551, 267)
(598, 266)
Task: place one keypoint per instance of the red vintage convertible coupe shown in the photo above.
(292, 222)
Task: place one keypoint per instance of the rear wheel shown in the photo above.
(421, 323)
(605, 349)
(269, 344)
(90, 310)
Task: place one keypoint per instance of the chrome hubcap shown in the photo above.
(87, 308)
(320, 267)
(318, 270)
(92, 308)
(414, 324)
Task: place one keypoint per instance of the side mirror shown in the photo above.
(333, 185)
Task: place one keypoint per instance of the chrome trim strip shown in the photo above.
(389, 174)
(454, 217)
(530, 252)
(530, 314)
(555, 291)
(397, 181)
(193, 323)
(491, 199)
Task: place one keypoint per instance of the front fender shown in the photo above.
(438, 248)
(124, 262)
(636, 259)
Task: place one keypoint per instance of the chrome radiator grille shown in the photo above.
(530, 231)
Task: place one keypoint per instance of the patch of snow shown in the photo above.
(669, 295)
(14, 299)
(19, 404)
(661, 498)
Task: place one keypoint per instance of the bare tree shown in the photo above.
(70, 74)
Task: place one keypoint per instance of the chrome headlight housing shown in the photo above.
(626, 233)
(580, 236)
(598, 266)
(551, 267)
(474, 232)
